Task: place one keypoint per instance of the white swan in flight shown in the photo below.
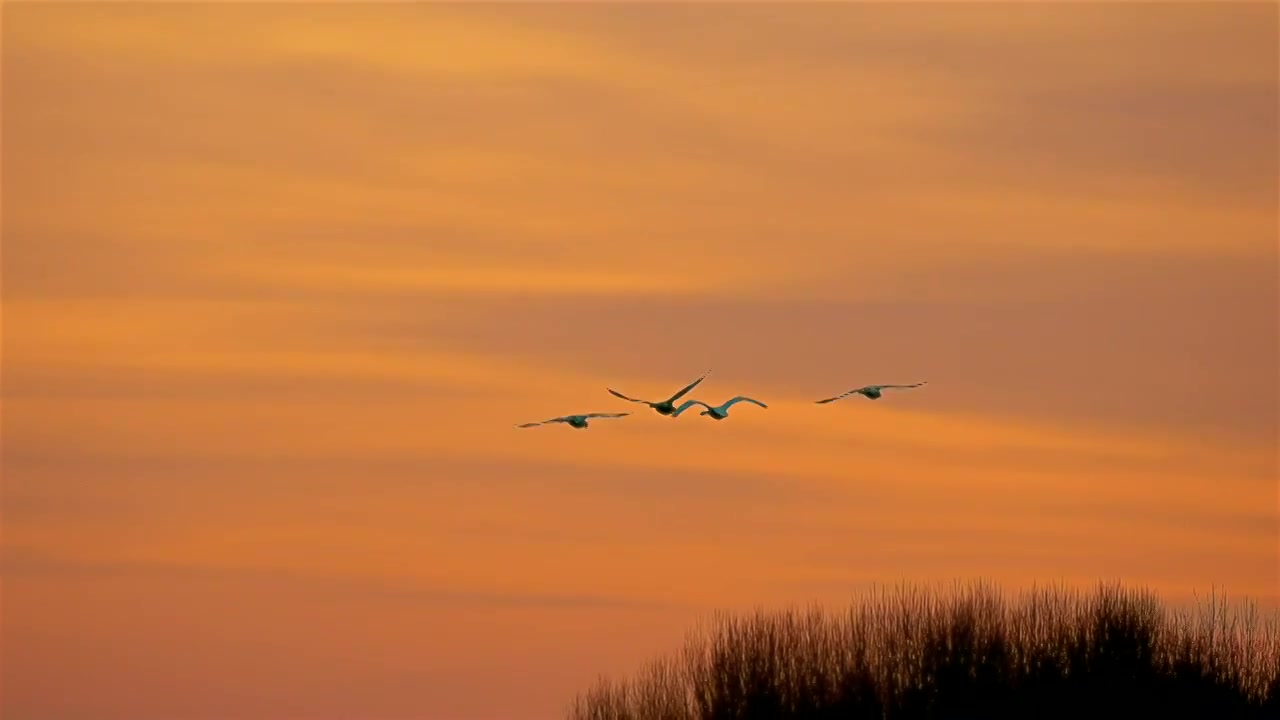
(668, 406)
(719, 412)
(871, 392)
(574, 421)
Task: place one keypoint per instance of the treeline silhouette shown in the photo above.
(914, 652)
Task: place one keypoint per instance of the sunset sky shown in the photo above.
(279, 280)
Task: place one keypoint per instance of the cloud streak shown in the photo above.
(279, 280)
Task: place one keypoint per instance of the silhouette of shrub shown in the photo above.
(969, 653)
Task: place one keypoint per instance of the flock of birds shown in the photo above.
(718, 412)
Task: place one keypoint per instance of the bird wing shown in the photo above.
(742, 398)
(688, 387)
(624, 397)
(891, 386)
(843, 395)
(688, 404)
(544, 422)
(605, 415)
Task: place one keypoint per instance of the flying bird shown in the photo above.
(719, 412)
(666, 407)
(574, 421)
(871, 392)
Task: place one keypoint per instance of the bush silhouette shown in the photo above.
(917, 653)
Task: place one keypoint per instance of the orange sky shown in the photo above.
(279, 280)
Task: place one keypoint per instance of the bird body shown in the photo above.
(665, 407)
(871, 392)
(719, 412)
(574, 421)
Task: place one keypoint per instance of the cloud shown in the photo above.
(27, 563)
(1064, 337)
(279, 281)
(837, 140)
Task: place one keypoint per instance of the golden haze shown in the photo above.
(280, 279)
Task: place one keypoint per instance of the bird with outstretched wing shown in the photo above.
(871, 392)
